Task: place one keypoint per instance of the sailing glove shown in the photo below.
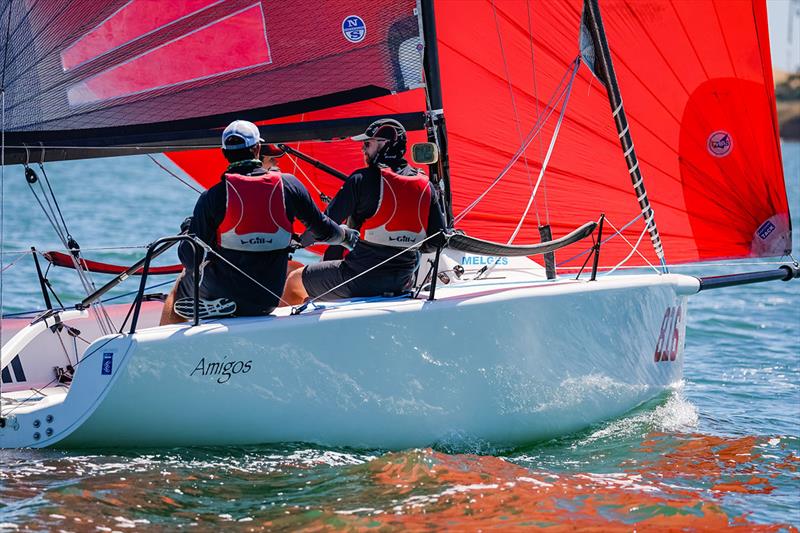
(187, 222)
(346, 237)
(350, 238)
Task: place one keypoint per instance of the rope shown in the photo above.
(300, 309)
(549, 153)
(513, 101)
(633, 251)
(303, 172)
(544, 164)
(588, 250)
(168, 171)
(55, 201)
(635, 247)
(557, 95)
(12, 263)
(536, 98)
(103, 319)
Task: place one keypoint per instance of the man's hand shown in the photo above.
(185, 224)
(350, 237)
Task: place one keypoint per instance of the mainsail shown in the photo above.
(82, 75)
(695, 78)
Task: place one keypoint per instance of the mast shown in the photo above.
(437, 132)
(597, 56)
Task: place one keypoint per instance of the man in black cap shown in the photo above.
(246, 219)
(396, 208)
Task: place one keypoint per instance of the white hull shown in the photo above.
(505, 362)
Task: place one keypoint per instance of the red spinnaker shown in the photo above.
(697, 85)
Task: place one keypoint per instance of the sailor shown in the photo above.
(269, 157)
(396, 208)
(246, 219)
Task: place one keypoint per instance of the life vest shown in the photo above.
(403, 208)
(255, 214)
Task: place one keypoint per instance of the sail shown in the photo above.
(206, 166)
(697, 87)
(79, 73)
(523, 109)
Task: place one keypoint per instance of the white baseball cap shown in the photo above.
(247, 131)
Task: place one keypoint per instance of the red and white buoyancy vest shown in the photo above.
(403, 208)
(255, 214)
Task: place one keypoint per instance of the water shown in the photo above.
(722, 451)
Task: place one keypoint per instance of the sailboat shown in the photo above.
(522, 325)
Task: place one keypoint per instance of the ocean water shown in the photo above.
(720, 452)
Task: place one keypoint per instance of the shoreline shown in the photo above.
(787, 100)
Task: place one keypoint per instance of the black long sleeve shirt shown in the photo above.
(358, 199)
(219, 279)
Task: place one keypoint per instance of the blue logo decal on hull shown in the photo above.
(108, 363)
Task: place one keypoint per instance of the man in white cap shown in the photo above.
(246, 219)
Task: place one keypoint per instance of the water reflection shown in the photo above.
(664, 481)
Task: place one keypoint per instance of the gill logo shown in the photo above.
(669, 338)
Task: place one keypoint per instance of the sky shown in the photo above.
(785, 54)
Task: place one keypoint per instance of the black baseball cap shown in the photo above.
(385, 128)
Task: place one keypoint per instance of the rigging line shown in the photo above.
(635, 248)
(297, 165)
(63, 347)
(537, 127)
(405, 250)
(55, 201)
(588, 250)
(303, 172)
(549, 152)
(14, 262)
(174, 175)
(63, 233)
(633, 251)
(536, 99)
(513, 99)
(544, 164)
(83, 275)
(33, 312)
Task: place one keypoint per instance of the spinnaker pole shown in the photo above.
(437, 132)
(596, 55)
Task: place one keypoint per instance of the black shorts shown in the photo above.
(319, 278)
(185, 289)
